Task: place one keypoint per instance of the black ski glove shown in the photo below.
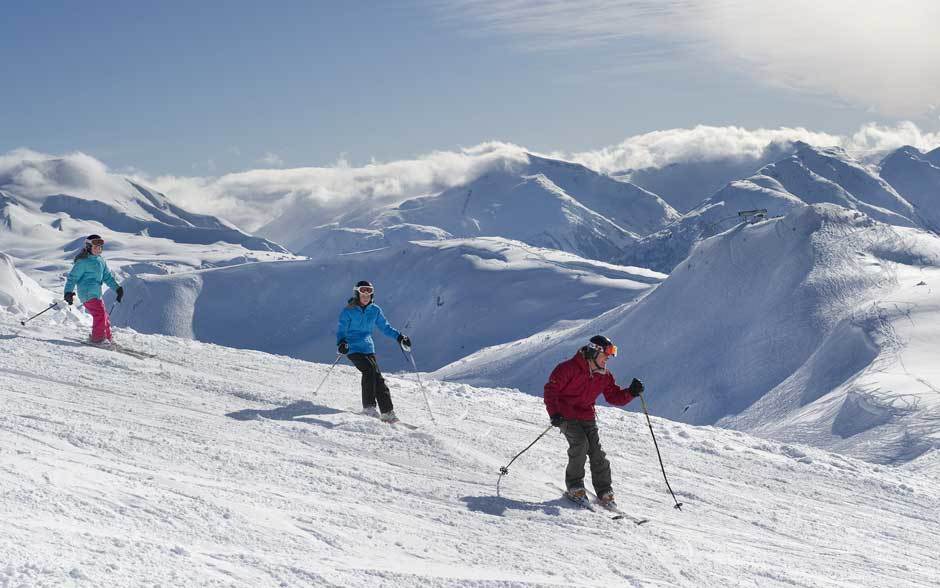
(557, 420)
(120, 293)
(405, 342)
(636, 388)
(343, 347)
(70, 297)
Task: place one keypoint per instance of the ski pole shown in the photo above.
(51, 306)
(336, 361)
(504, 471)
(410, 355)
(678, 505)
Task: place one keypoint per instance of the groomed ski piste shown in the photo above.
(211, 466)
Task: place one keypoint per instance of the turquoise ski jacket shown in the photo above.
(356, 324)
(88, 273)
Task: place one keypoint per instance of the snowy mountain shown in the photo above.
(933, 156)
(665, 249)
(917, 179)
(208, 466)
(818, 175)
(685, 185)
(452, 297)
(543, 202)
(811, 175)
(48, 206)
(817, 327)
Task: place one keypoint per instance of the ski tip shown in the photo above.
(636, 522)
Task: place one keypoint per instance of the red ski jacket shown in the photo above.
(572, 389)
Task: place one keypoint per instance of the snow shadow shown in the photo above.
(291, 412)
(498, 505)
(66, 343)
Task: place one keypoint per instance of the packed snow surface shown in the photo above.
(212, 466)
(451, 297)
(819, 327)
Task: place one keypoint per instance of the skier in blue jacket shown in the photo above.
(354, 337)
(88, 274)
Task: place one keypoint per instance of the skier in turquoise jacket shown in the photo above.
(354, 337)
(88, 274)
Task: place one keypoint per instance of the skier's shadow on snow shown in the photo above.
(291, 412)
(498, 505)
(66, 343)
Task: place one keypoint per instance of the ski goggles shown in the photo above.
(365, 289)
(609, 350)
(94, 242)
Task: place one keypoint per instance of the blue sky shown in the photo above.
(206, 88)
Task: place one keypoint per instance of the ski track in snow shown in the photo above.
(213, 466)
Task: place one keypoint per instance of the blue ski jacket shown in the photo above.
(88, 273)
(356, 324)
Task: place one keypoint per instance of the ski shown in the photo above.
(118, 348)
(133, 352)
(617, 514)
(404, 424)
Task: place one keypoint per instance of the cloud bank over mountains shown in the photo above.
(251, 199)
(708, 143)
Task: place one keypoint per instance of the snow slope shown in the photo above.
(818, 175)
(818, 327)
(216, 467)
(452, 297)
(542, 202)
(811, 175)
(933, 156)
(916, 178)
(20, 294)
(48, 206)
(665, 249)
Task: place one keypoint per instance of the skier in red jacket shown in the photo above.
(570, 394)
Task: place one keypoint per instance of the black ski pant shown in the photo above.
(584, 442)
(373, 384)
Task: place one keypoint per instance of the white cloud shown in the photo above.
(253, 198)
(563, 24)
(874, 138)
(271, 160)
(879, 55)
(703, 143)
(30, 173)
